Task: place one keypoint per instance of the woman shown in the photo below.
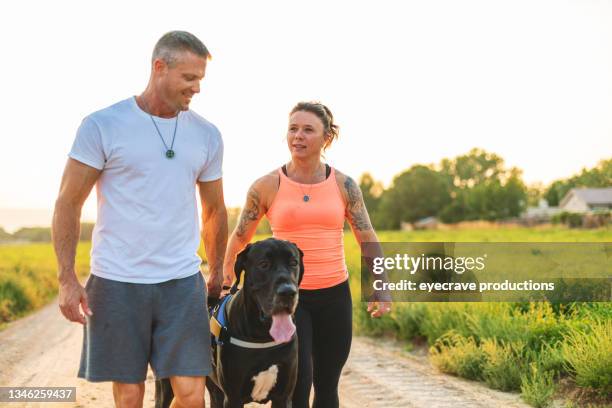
(306, 202)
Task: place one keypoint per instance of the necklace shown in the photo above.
(306, 196)
(169, 151)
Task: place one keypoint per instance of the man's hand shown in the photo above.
(213, 285)
(71, 295)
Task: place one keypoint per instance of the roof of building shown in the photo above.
(591, 196)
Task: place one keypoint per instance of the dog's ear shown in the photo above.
(239, 267)
(301, 262)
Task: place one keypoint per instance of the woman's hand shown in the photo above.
(377, 309)
(227, 280)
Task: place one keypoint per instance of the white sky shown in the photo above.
(409, 82)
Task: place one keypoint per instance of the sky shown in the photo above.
(408, 82)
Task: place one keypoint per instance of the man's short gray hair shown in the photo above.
(174, 42)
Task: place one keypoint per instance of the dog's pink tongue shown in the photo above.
(282, 327)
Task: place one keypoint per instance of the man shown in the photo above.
(145, 301)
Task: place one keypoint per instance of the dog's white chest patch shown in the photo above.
(264, 381)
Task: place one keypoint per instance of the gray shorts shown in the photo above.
(133, 324)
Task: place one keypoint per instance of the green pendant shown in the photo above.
(169, 153)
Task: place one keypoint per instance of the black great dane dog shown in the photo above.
(254, 357)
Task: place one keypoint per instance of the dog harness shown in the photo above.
(220, 330)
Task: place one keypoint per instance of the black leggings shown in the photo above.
(324, 326)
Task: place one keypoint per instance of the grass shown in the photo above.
(28, 277)
(526, 347)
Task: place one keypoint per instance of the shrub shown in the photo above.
(588, 355)
(455, 354)
(14, 299)
(441, 318)
(549, 358)
(504, 364)
(409, 318)
(534, 323)
(573, 220)
(538, 387)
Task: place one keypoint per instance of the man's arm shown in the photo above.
(77, 182)
(214, 232)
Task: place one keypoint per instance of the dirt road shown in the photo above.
(43, 350)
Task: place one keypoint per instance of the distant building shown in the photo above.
(426, 223)
(583, 200)
(540, 214)
(423, 223)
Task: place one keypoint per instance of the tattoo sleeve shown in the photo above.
(357, 213)
(250, 212)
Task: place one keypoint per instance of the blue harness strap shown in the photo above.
(218, 325)
(221, 312)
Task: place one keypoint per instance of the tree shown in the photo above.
(598, 176)
(514, 195)
(371, 190)
(556, 191)
(476, 185)
(535, 192)
(5, 236)
(34, 234)
(473, 168)
(458, 209)
(418, 192)
(482, 188)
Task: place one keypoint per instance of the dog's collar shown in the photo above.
(219, 329)
(253, 345)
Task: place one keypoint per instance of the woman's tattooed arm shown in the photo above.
(250, 213)
(357, 213)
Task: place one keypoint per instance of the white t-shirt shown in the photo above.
(147, 229)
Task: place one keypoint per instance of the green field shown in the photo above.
(28, 277)
(532, 348)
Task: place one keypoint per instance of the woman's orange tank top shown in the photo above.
(315, 226)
